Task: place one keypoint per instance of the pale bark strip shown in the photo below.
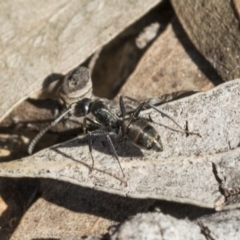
(190, 169)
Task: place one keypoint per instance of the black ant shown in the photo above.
(137, 129)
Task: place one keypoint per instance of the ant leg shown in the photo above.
(131, 99)
(156, 109)
(114, 151)
(100, 132)
(122, 107)
(149, 119)
(90, 135)
(93, 122)
(90, 148)
(136, 112)
(186, 129)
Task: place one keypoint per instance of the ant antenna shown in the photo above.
(41, 133)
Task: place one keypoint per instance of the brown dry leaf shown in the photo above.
(213, 27)
(118, 59)
(184, 172)
(170, 64)
(60, 35)
(236, 4)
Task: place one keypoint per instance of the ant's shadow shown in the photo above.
(110, 206)
(123, 147)
(100, 204)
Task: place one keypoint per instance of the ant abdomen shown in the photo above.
(142, 134)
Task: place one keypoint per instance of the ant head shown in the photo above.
(82, 107)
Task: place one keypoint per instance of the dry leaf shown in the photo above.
(213, 27)
(118, 59)
(183, 172)
(60, 35)
(170, 64)
(199, 171)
